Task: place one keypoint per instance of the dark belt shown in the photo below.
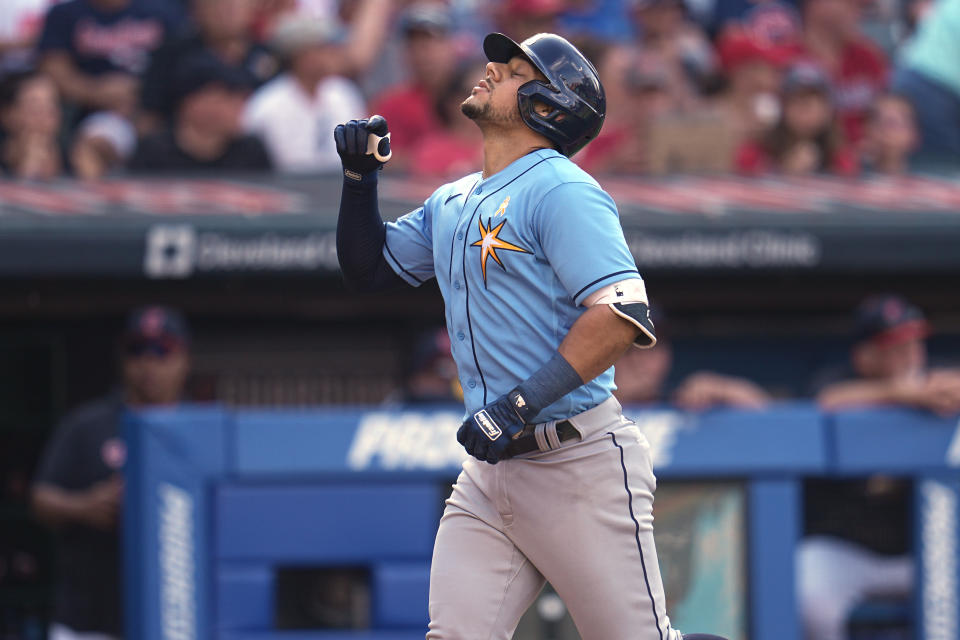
(527, 443)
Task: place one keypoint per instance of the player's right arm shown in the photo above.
(361, 233)
(373, 255)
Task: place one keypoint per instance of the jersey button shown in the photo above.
(460, 335)
(460, 236)
(456, 284)
(471, 383)
(478, 190)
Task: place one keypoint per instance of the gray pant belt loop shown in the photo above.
(552, 438)
(541, 437)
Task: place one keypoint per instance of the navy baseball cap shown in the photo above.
(886, 320)
(155, 329)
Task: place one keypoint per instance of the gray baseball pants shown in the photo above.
(579, 515)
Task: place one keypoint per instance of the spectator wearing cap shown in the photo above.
(750, 100)
(807, 139)
(928, 73)
(857, 68)
(642, 375)
(888, 363)
(222, 29)
(891, 135)
(95, 50)
(432, 62)
(206, 133)
(30, 127)
(78, 489)
(295, 112)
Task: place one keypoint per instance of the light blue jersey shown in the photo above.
(515, 256)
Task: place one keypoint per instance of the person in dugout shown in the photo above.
(78, 488)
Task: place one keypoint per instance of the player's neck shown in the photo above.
(499, 152)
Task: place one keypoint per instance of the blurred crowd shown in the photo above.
(90, 88)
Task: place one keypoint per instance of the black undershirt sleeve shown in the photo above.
(361, 235)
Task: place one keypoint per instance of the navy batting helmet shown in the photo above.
(572, 91)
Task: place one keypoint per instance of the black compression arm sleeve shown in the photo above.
(360, 238)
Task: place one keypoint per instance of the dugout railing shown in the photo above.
(220, 502)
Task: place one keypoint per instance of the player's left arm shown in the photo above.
(579, 231)
(597, 340)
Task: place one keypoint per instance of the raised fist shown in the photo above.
(363, 145)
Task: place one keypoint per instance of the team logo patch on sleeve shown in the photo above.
(490, 242)
(489, 427)
(502, 209)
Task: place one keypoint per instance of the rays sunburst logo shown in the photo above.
(490, 242)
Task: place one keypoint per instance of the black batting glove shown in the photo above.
(352, 140)
(487, 433)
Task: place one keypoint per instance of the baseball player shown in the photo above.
(542, 296)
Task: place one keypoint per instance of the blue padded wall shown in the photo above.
(245, 597)
(400, 593)
(336, 524)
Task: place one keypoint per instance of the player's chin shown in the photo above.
(471, 108)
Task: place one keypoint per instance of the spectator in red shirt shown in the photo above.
(455, 148)
(806, 140)
(858, 69)
(432, 62)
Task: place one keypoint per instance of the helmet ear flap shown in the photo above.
(545, 110)
(544, 114)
